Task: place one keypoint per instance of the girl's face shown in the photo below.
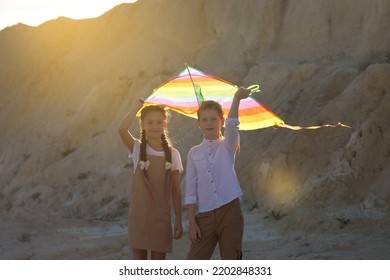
(154, 124)
(210, 123)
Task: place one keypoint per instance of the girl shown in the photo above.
(212, 184)
(155, 183)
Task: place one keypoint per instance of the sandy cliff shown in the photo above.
(65, 85)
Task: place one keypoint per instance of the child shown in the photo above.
(155, 183)
(211, 182)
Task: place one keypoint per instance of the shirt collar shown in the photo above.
(207, 141)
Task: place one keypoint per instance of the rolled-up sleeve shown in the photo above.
(231, 134)
(191, 182)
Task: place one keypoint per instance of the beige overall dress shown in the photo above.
(149, 222)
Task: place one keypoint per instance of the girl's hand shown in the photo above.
(138, 105)
(177, 231)
(194, 233)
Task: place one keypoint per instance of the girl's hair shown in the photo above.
(165, 141)
(210, 104)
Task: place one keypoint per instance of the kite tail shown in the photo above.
(296, 127)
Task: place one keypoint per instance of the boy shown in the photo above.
(211, 182)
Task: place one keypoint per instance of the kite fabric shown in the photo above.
(186, 91)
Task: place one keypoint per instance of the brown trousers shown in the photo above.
(225, 226)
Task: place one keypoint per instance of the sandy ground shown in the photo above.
(263, 239)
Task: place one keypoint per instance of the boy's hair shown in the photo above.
(164, 137)
(210, 105)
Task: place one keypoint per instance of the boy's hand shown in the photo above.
(242, 93)
(194, 233)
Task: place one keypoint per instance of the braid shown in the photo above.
(167, 148)
(167, 151)
(143, 145)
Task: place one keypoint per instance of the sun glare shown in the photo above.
(36, 12)
(277, 182)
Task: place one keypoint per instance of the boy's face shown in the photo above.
(210, 124)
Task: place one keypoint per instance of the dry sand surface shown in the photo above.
(263, 239)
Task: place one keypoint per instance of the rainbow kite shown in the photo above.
(184, 93)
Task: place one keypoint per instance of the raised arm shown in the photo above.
(241, 93)
(123, 128)
(232, 137)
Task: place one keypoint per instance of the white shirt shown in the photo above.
(211, 180)
(176, 159)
